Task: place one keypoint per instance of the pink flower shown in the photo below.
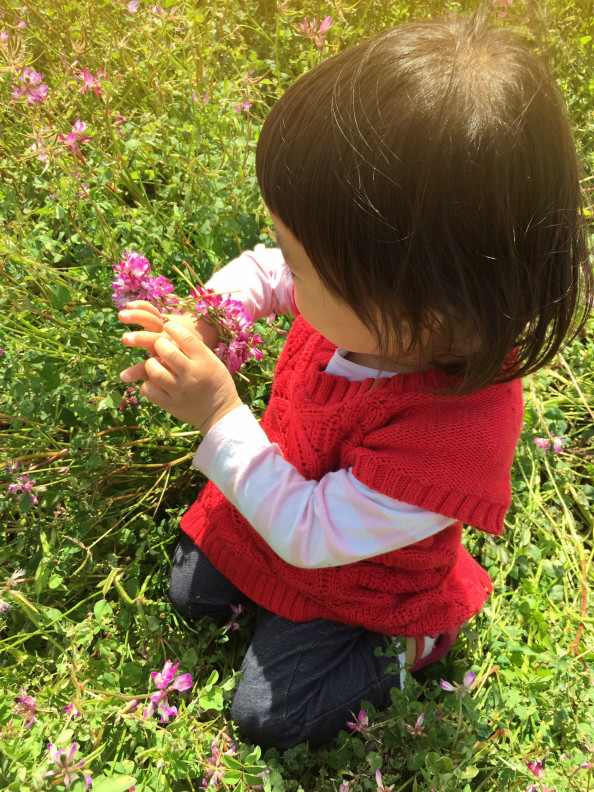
(315, 30)
(536, 768)
(417, 728)
(128, 399)
(545, 443)
(90, 82)
(40, 150)
(65, 63)
(75, 137)
(164, 681)
(3, 36)
(157, 11)
(26, 707)
(133, 6)
(63, 758)
(72, 711)
(380, 783)
(233, 625)
(361, 724)
(459, 690)
(214, 775)
(542, 442)
(21, 25)
(21, 485)
(243, 106)
(32, 87)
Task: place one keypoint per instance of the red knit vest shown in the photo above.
(402, 437)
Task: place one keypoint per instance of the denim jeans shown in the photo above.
(302, 681)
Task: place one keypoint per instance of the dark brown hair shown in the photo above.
(431, 176)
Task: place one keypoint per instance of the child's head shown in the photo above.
(431, 177)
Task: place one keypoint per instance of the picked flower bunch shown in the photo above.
(238, 341)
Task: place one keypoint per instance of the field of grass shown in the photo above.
(135, 128)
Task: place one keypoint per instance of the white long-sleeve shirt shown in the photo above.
(334, 521)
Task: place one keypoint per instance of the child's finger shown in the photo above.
(140, 338)
(187, 341)
(171, 355)
(149, 320)
(135, 372)
(143, 305)
(155, 394)
(160, 373)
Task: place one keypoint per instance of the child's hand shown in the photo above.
(187, 380)
(148, 316)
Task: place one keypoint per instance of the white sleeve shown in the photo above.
(308, 523)
(260, 280)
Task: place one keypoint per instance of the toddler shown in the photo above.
(424, 189)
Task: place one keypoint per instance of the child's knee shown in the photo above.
(258, 722)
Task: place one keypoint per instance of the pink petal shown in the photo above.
(325, 26)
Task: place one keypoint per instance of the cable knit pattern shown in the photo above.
(402, 437)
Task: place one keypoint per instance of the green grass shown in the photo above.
(173, 177)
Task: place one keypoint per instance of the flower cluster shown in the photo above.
(315, 30)
(238, 342)
(165, 683)
(31, 87)
(214, 774)
(133, 282)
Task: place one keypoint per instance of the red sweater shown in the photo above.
(450, 455)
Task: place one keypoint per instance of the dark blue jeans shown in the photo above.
(302, 681)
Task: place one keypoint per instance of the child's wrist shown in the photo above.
(218, 414)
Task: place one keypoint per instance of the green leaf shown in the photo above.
(436, 764)
(115, 783)
(189, 658)
(231, 762)
(60, 297)
(417, 761)
(132, 674)
(212, 699)
(254, 755)
(102, 609)
(212, 679)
